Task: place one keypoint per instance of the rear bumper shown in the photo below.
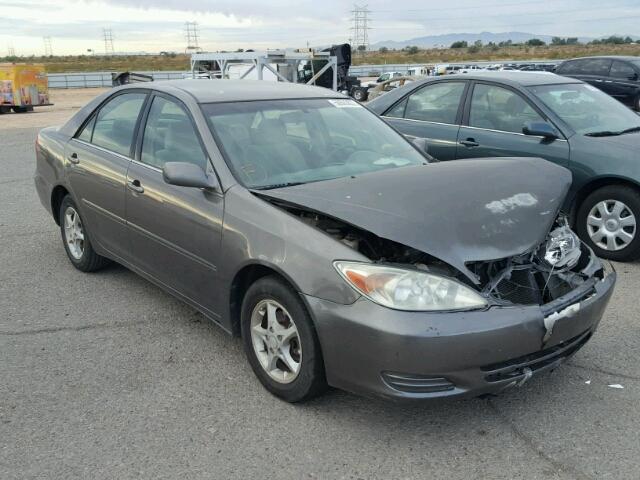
(369, 349)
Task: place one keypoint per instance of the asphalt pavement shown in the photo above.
(106, 376)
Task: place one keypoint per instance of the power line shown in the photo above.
(48, 51)
(107, 35)
(360, 19)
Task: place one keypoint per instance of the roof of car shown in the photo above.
(212, 91)
(515, 77)
(612, 57)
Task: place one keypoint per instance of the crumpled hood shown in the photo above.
(458, 211)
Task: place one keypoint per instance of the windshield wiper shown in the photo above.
(630, 130)
(604, 133)
(609, 133)
(278, 185)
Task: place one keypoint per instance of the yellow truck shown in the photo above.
(22, 87)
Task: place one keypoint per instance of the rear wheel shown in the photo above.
(76, 239)
(608, 221)
(280, 341)
(22, 109)
(360, 94)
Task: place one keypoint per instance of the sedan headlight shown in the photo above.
(409, 289)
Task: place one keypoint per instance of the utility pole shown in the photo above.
(11, 52)
(48, 51)
(107, 35)
(191, 34)
(360, 29)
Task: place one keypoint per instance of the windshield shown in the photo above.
(586, 109)
(282, 142)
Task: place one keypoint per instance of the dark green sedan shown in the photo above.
(521, 114)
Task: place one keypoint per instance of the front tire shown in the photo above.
(608, 221)
(280, 341)
(75, 238)
(360, 94)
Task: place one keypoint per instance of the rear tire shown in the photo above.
(271, 313)
(360, 94)
(608, 220)
(75, 238)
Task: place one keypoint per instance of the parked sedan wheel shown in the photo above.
(608, 221)
(76, 239)
(280, 341)
(360, 94)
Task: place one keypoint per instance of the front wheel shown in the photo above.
(608, 221)
(280, 341)
(76, 238)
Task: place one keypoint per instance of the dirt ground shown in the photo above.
(65, 104)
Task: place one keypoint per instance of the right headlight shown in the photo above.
(403, 289)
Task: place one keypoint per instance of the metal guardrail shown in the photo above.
(102, 79)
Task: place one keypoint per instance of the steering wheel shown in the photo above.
(337, 149)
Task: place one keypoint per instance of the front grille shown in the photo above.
(517, 367)
(520, 288)
(410, 383)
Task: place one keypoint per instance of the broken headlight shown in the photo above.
(562, 248)
(409, 289)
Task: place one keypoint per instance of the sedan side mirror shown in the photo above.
(184, 174)
(422, 145)
(540, 129)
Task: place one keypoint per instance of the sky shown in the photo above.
(76, 26)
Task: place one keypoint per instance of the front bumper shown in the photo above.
(369, 349)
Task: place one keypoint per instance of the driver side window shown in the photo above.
(437, 102)
(169, 136)
(497, 108)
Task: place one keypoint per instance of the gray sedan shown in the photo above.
(296, 218)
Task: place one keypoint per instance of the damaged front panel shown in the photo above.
(445, 209)
(553, 264)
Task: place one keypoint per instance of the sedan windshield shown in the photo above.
(278, 143)
(588, 110)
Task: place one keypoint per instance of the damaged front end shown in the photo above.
(555, 274)
(556, 268)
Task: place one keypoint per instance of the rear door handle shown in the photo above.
(469, 142)
(135, 186)
(73, 158)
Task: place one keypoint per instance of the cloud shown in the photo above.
(156, 25)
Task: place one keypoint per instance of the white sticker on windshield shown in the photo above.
(344, 103)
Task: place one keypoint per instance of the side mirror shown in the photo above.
(421, 144)
(540, 129)
(633, 77)
(184, 174)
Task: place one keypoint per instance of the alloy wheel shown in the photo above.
(276, 341)
(611, 225)
(73, 233)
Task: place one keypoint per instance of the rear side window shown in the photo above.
(435, 103)
(87, 131)
(568, 68)
(116, 121)
(622, 70)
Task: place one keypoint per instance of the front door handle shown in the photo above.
(73, 158)
(135, 186)
(469, 142)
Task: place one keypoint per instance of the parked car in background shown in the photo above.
(537, 114)
(616, 76)
(293, 216)
(391, 84)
